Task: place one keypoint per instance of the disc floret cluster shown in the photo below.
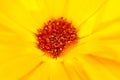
(55, 35)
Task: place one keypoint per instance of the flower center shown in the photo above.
(56, 35)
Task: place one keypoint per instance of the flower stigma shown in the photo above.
(55, 36)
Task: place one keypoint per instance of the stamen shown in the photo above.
(56, 35)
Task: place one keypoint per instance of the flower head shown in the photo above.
(83, 36)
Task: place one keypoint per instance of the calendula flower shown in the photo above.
(59, 40)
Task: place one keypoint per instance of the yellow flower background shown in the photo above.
(95, 57)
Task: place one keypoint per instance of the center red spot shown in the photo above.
(56, 35)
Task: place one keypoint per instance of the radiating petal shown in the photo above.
(97, 71)
(87, 27)
(108, 42)
(13, 44)
(74, 69)
(16, 12)
(56, 8)
(38, 72)
(111, 65)
(8, 25)
(57, 72)
(108, 15)
(77, 10)
(40, 14)
(112, 10)
(15, 68)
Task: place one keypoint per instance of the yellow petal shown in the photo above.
(56, 8)
(112, 10)
(96, 70)
(108, 15)
(17, 13)
(107, 41)
(78, 11)
(7, 24)
(111, 65)
(74, 69)
(57, 72)
(16, 68)
(38, 72)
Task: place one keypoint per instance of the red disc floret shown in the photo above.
(55, 36)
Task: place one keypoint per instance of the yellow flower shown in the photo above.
(95, 57)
